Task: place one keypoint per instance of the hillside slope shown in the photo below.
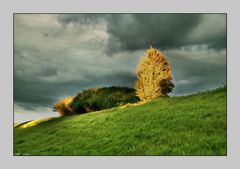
(188, 125)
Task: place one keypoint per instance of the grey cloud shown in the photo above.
(118, 79)
(197, 84)
(197, 69)
(140, 31)
(164, 31)
(130, 32)
(211, 31)
(84, 19)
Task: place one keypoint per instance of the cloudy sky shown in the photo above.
(58, 55)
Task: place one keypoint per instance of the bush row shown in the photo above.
(96, 99)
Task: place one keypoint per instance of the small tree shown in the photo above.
(153, 76)
(63, 106)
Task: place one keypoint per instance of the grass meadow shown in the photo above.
(186, 125)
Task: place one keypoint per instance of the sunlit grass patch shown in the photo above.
(34, 122)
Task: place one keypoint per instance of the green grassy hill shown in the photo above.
(187, 125)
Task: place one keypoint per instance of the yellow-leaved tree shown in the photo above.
(153, 75)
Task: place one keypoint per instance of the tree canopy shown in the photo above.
(153, 75)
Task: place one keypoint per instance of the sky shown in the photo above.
(59, 55)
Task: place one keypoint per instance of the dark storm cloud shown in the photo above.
(37, 92)
(137, 31)
(131, 32)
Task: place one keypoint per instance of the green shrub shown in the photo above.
(102, 98)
